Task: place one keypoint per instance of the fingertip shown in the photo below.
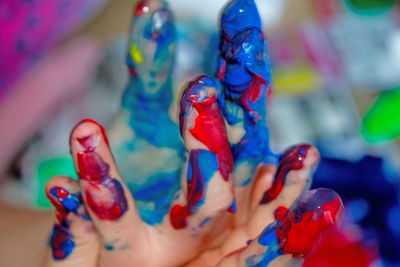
(81, 133)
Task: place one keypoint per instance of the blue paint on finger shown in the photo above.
(61, 241)
(245, 74)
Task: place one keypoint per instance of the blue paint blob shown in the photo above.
(269, 239)
(245, 74)
(61, 241)
(146, 100)
(204, 165)
(149, 119)
(70, 201)
(206, 220)
(158, 190)
(239, 15)
(109, 247)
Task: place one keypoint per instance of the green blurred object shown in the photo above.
(370, 7)
(382, 120)
(60, 165)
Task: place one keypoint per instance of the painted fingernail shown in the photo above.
(101, 128)
(68, 201)
(88, 143)
(61, 241)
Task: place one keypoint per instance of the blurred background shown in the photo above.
(336, 72)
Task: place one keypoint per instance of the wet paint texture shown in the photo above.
(199, 106)
(298, 229)
(147, 98)
(104, 195)
(202, 165)
(209, 127)
(269, 239)
(292, 159)
(150, 60)
(246, 77)
(64, 202)
(61, 240)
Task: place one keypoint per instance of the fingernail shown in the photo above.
(102, 130)
(88, 143)
(68, 201)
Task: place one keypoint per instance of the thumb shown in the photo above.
(73, 240)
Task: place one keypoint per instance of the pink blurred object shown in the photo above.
(55, 79)
(30, 28)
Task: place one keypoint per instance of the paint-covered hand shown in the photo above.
(203, 213)
(144, 128)
(245, 75)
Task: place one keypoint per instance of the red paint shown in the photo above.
(210, 127)
(141, 8)
(178, 216)
(61, 211)
(337, 248)
(292, 159)
(104, 195)
(253, 94)
(102, 130)
(221, 71)
(299, 235)
(91, 167)
(196, 190)
(280, 212)
(103, 210)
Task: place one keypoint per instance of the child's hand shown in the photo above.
(172, 211)
(120, 238)
(198, 220)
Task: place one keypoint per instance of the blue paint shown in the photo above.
(61, 241)
(245, 73)
(268, 239)
(70, 203)
(147, 99)
(204, 165)
(160, 29)
(233, 207)
(109, 247)
(239, 15)
(206, 220)
(368, 179)
(159, 190)
(149, 117)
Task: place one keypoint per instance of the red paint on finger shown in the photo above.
(104, 195)
(209, 126)
(292, 159)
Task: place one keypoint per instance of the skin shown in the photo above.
(209, 213)
(126, 240)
